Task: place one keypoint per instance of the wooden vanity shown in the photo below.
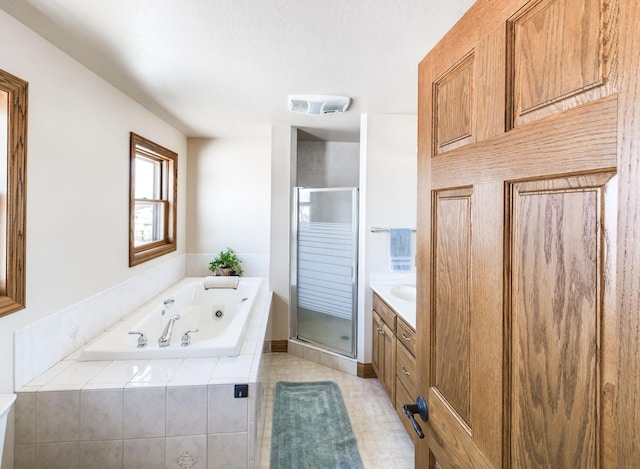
(394, 357)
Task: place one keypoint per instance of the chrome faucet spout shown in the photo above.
(165, 338)
(166, 303)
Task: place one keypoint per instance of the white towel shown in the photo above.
(221, 281)
(400, 249)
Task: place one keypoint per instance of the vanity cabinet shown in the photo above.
(384, 348)
(406, 383)
(394, 357)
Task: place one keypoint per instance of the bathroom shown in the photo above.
(77, 215)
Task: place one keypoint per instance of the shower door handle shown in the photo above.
(420, 408)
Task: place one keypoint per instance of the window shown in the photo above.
(152, 207)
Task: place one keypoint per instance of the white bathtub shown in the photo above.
(221, 316)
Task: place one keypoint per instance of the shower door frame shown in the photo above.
(293, 293)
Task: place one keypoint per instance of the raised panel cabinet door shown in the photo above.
(384, 355)
(388, 379)
(377, 350)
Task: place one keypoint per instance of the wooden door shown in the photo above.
(528, 245)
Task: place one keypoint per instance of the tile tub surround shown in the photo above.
(146, 413)
(42, 344)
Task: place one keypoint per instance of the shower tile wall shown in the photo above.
(327, 164)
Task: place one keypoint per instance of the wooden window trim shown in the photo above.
(140, 254)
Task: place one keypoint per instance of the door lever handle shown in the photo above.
(420, 408)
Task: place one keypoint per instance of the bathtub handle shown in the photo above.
(186, 338)
(142, 339)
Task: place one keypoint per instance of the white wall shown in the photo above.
(283, 151)
(77, 181)
(229, 200)
(388, 199)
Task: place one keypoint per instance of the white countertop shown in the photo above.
(397, 290)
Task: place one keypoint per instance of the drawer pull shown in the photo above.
(404, 370)
(408, 339)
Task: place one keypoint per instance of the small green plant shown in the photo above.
(226, 262)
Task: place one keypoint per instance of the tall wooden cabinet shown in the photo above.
(529, 237)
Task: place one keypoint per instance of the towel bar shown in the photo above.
(375, 229)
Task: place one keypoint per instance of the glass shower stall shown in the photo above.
(324, 268)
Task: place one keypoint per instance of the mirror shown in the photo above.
(13, 159)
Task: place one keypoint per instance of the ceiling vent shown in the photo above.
(318, 104)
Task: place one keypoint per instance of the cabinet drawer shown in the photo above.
(403, 397)
(406, 335)
(406, 368)
(386, 313)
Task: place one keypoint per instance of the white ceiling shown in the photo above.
(216, 68)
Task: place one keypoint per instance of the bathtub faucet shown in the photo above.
(168, 302)
(165, 338)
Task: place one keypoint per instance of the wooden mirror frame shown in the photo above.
(17, 90)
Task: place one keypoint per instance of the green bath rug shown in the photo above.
(311, 428)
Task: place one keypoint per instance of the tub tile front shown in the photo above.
(194, 371)
(185, 450)
(24, 456)
(101, 454)
(145, 453)
(227, 414)
(57, 416)
(101, 414)
(144, 412)
(228, 450)
(78, 374)
(25, 418)
(49, 374)
(58, 455)
(118, 371)
(233, 367)
(186, 410)
(251, 437)
(249, 347)
(158, 371)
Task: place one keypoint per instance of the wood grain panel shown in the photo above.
(556, 57)
(624, 359)
(451, 287)
(453, 106)
(489, 86)
(556, 312)
(584, 137)
(450, 438)
(406, 369)
(406, 335)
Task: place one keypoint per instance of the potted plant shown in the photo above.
(226, 263)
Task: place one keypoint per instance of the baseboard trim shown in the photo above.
(280, 346)
(365, 370)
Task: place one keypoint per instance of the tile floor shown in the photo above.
(382, 440)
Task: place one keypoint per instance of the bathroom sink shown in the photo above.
(404, 292)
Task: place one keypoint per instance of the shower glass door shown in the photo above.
(324, 268)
